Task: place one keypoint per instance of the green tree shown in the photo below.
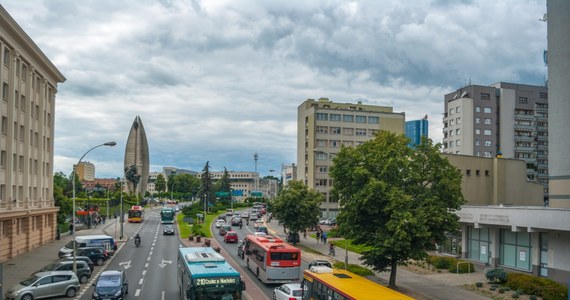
(395, 199)
(207, 185)
(224, 185)
(60, 182)
(160, 183)
(297, 207)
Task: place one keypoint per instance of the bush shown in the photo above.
(442, 262)
(537, 286)
(479, 284)
(516, 295)
(496, 275)
(464, 267)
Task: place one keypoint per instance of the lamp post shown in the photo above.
(110, 144)
(172, 189)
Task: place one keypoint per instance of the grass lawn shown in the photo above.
(184, 228)
(351, 247)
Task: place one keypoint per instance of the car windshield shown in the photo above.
(49, 267)
(109, 281)
(297, 293)
(29, 281)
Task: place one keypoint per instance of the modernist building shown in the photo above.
(288, 172)
(136, 154)
(502, 119)
(323, 126)
(28, 82)
(415, 130)
(85, 171)
(241, 183)
(108, 184)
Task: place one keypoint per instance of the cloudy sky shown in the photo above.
(221, 80)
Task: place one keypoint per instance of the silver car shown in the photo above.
(45, 284)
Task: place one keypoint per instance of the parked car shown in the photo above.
(168, 229)
(80, 258)
(293, 238)
(224, 229)
(97, 255)
(319, 263)
(112, 284)
(44, 285)
(231, 237)
(288, 291)
(83, 271)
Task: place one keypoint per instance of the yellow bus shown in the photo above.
(136, 214)
(325, 283)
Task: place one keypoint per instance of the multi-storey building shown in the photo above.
(288, 172)
(108, 184)
(241, 183)
(323, 126)
(417, 129)
(151, 188)
(28, 82)
(505, 119)
(85, 171)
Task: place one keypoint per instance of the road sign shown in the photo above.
(222, 194)
(257, 194)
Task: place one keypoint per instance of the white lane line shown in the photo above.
(141, 281)
(137, 293)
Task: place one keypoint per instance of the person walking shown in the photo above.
(331, 249)
(318, 236)
(324, 237)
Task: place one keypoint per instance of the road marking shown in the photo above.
(141, 281)
(162, 297)
(144, 272)
(137, 292)
(164, 262)
(125, 264)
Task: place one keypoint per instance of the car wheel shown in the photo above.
(99, 261)
(27, 297)
(83, 278)
(71, 292)
(274, 296)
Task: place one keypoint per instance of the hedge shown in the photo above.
(533, 285)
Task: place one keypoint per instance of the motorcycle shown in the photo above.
(137, 241)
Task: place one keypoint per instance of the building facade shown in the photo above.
(288, 173)
(504, 119)
(136, 154)
(29, 86)
(417, 129)
(323, 126)
(85, 171)
(241, 183)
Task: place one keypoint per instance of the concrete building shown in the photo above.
(109, 184)
(28, 82)
(415, 130)
(242, 183)
(323, 126)
(288, 172)
(136, 154)
(151, 180)
(502, 119)
(85, 171)
(559, 111)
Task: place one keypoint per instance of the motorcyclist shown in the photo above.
(137, 239)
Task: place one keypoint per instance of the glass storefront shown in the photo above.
(479, 244)
(515, 249)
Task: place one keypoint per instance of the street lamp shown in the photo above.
(172, 188)
(110, 144)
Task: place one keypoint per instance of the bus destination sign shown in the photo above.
(216, 281)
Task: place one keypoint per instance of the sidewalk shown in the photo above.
(445, 286)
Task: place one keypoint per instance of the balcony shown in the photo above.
(521, 117)
(524, 127)
(524, 149)
(542, 138)
(523, 138)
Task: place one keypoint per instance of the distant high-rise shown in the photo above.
(558, 13)
(415, 130)
(136, 154)
(85, 171)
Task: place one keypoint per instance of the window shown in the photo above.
(487, 121)
(451, 144)
(477, 172)
(348, 131)
(458, 121)
(468, 172)
(4, 125)
(335, 143)
(348, 143)
(23, 103)
(360, 132)
(451, 122)
(335, 117)
(322, 169)
(322, 116)
(322, 156)
(485, 96)
(5, 91)
(477, 131)
(7, 56)
(348, 118)
(458, 109)
(335, 130)
(487, 110)
(487, 132)
(487, 154)
(360, 119)
(458, 131)
(3, 159)
(477, 109)
(543, 95)
(372, 132)
(321, 143)
(373, 120)
(451, 111)
(488, 143)
(523, 100)
(458, 143)
(322, 129)
(477, 120)
(22, 133)
(477, 142)
(451, 133)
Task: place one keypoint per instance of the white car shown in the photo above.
(288, 291)
(219, 223)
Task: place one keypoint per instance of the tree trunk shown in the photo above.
(392, 282)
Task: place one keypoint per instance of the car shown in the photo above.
(45, 284)
(260, 233)
(224, 229)
(97, 255)
(320, 263)
(288, 291)
(236, 221)
(83, 271)
(293, 238)
(231, 237)
(257, 223)
(262, 229)
(81, 258)
(244, 214)
(168, 229)
(220, 222)
(253, 216)
(222, 217)
(112, 285)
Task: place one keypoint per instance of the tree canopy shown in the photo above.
(395, 199)
(160, 183)
(297, 207)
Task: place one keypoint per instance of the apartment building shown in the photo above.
(28, 81)
(85, 171)
(241, 183)
(323, 126)
(505, 119)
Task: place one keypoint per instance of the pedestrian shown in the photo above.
(324, 236)
(71, 229)
(318, 236)
(305, 234)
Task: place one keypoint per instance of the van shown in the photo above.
(104, 241)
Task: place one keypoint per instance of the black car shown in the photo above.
(80, 258)
(168, 229)
(112, 285)
(97, 255)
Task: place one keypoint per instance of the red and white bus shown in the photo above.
(272, 260)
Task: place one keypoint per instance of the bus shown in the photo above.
(205, 274)
(167, 215)
(320, 282)
(136, 214)
(272, 260)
